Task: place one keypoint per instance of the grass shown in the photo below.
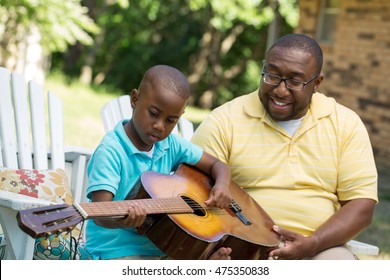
(84, 127)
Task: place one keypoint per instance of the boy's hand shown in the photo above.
(135, 218)
(219, 197)
(222, 253)
(220, 194)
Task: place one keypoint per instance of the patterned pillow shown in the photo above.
(51, 185)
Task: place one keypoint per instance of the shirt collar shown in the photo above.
(159, 147)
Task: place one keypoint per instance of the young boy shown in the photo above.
(145, 143)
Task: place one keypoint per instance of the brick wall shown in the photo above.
(357, 64)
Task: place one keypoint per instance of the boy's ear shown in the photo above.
(134, 95)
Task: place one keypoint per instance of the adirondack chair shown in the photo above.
(119, 108)
(17, 152)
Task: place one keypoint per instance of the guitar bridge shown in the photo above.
(237, 210)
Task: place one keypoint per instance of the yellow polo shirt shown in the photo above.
(298, 180)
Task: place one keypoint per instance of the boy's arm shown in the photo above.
(135, 217)
(220, 172)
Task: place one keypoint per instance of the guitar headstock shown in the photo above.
(47, 220)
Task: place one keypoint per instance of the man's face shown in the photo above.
(282, 103)
(156, 110)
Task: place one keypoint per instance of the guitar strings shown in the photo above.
(195, 206)
(76, 242)
(165, 203)
(169, 206)
(64, 220)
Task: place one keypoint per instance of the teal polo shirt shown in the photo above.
(116, 166)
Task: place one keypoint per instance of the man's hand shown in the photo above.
(294, 246)
(222, 253)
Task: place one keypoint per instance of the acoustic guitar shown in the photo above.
(178, 221)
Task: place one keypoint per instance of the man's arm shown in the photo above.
(344, 225)
(354, 216)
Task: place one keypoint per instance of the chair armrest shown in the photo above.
(360, 248)
(21, 202)
(76, 162)
(72, 152)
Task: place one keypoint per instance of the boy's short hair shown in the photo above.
(168, 77)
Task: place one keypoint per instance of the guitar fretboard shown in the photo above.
(168, 205)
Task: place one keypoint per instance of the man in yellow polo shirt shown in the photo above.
(306, 159)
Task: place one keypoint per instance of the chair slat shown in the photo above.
(7, 123)
(116, 111)
(38, 125)
(56, 132)
(186, 128)
(19, 95)
(176, 130)
(110, 115)
(125, 107)
(106, 119)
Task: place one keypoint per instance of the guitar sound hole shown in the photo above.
(198, 209)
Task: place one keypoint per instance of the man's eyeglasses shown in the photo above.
(292, 84)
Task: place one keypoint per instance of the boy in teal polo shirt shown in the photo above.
(145, 143)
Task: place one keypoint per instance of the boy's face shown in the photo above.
(156, 110)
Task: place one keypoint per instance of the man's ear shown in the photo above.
(134, 95)
(317, 82)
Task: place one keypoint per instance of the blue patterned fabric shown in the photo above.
(2, 246)
(59, 247)
(55, 247)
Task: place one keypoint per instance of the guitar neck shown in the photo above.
(111, 209)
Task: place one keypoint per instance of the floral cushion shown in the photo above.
(51, 185)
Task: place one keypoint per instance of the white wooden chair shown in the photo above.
(120, 108)
(22, 148)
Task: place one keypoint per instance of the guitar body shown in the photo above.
(199, 234)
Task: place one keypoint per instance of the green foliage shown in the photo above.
(227, 12)
(289, 10)
(61, 23)
(216, 43)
